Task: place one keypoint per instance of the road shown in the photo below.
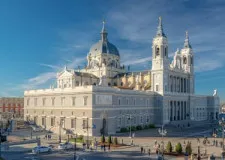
(69, 155)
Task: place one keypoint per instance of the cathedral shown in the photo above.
(105, 96)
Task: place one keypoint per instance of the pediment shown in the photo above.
(65, 73)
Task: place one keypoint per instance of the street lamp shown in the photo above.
(163, 133)
(222, 124)
(60, 126)
(199, 156)
(75, 146)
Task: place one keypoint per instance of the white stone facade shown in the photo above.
(105, 96)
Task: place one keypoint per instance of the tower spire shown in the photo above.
(103, 32)
(186, 41)
(160, 28)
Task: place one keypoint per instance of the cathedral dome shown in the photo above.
(103, 45)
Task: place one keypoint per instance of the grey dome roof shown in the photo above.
(103, 45)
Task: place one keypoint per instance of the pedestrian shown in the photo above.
(109, 147)
(104, 147)
(101, 147)
(96, 145)
(141, 149)
(46, 136)
(149, 152)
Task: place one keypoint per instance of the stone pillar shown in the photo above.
(175, 111)
(185, 111)
(182, 110)
(175, 84)
(171, 110)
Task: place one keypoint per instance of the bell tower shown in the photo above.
(160, 61)
(188, 62)
(160, 49)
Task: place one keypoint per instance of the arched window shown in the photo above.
(157, 51)
(115, 84)
(109, 84)
(191, 60)
(185, 60)
(165, 52)
(121, 83)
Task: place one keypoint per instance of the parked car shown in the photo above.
(41, 149)
(65, 145)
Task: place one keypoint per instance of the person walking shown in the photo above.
(109, 147)
(149, 152)
(104, 147)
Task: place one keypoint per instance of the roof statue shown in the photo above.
(215, 92)
(103, 81)
(186, 41)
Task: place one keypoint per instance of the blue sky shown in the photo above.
(39, 37)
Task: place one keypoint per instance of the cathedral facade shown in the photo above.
(104, 96)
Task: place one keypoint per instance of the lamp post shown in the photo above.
(163, 133)
(222, 124)
(75, 146)
(214, 135)
(60, 126)
(130, 125)
(199, 156)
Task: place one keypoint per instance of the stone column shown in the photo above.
(171, 110)
(185, 110)
(182, 110)
(175, 111)
(175, 84)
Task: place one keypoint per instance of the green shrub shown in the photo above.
(146, 127)
(123, 130)
(151, 126)
(178, 148)
(188, 148)
(103, 139)
(169, 147)
(115, 141)
(139, 127)
(133, 128)
(109, 140)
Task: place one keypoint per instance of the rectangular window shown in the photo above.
(119, 122)
(35, 101)
(43, 121)
(62, 101)
(84, 124)
(85, 100)
(43, 101)
(157, 88)
(28, 101)
(141, 119)
(73, 123)
(73, 101)
(52, 121)
(53, 101)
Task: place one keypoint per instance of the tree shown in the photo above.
(115, 141)
(188, 148)
(109, 140)
(169, 147)
(103, 139)
(178, 148)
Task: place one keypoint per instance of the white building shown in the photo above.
(105, 96)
